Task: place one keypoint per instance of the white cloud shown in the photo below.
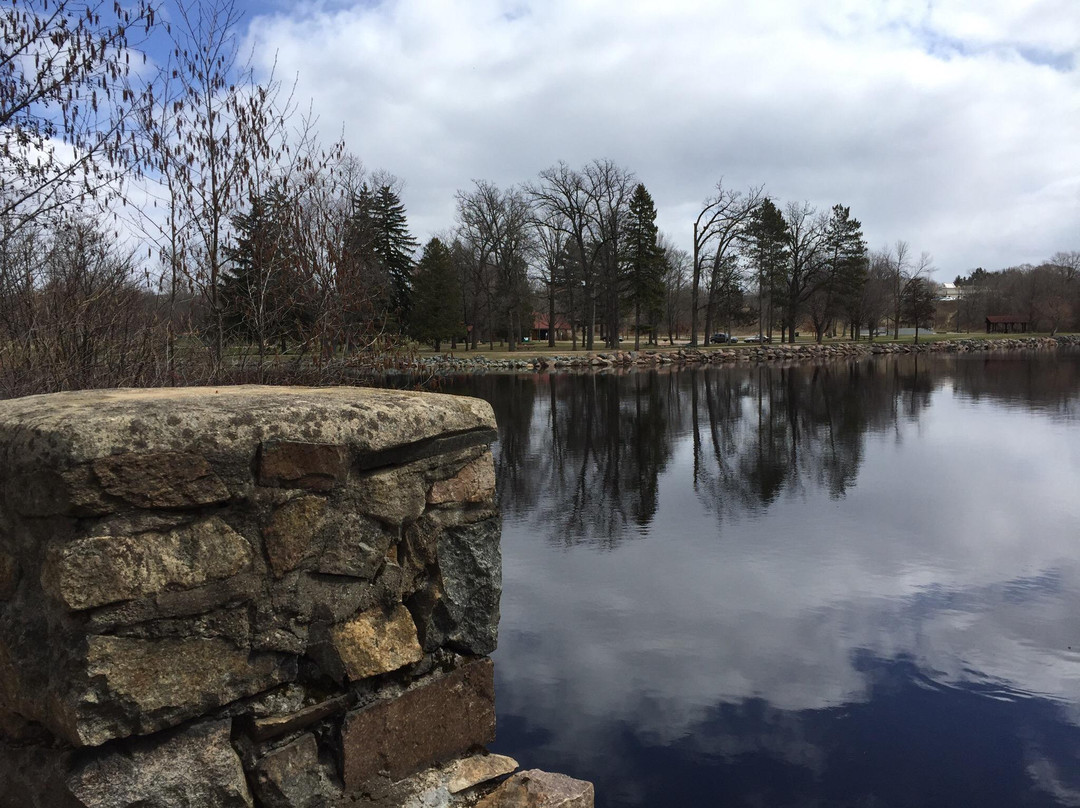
(951, 128)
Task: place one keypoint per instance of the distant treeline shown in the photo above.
(184, 224)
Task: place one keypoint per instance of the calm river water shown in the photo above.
(842, 584)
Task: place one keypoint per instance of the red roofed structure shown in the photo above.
(540, 328)
(1006, 324)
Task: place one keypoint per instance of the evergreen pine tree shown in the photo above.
(767, 235)
(643, 264)
(436, 310)
(259, 291)
(847, 252)
(394, 246)
(380, 250)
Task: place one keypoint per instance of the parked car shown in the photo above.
(720, 339)
(755, 339)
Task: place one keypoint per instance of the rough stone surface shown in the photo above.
(470, 561)
(160, 479)
(30, 776)
(433, 722)
(290, 536)
(472, 771)
(267, 727)
(292, 776)
(474, 483)
(159, 683)
(375, 642)
(192, 768)
(71, 428)
(8, 575)
(105, 569)
(394, 497)
(314, 466)
(539, 789)
(209, 590)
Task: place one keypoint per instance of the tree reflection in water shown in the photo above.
(841, 583)
(582, 454)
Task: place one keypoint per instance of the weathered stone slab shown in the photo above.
(313, 466)
(193, 767)
(474, 483)
(71, 428)
(375, 642)
(268, 727)
(99, 570)
(290, 536)
(539, 789)
(138, 686)
(160, 479)
(434, 722)
(472, 771)
(293, 777)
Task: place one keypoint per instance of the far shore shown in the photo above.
(536, 357)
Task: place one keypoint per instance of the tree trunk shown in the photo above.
(551, 315)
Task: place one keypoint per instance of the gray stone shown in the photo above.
(292, 776)
(9, 575)
(395, 497)
(470, 564)
(30, 776)
(351, 544)
(193, 768)
(99, 570)
(65, 429)
(136, 686)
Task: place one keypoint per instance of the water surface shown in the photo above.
(838, 584)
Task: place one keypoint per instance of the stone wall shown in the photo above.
(651, 358)
(251, 596)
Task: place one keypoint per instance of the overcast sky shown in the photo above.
(951, 124)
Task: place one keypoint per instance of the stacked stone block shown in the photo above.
(246, 596)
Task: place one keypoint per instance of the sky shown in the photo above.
(949, 124)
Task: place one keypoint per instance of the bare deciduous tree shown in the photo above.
(717, 230)
(65, 103)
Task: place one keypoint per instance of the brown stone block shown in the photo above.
(313, 466)
(539, 789)
(160, 479)
(99, 570)
(141, 686)
(375, 642)
(394, 497)
(291, 533)
(474, 483)
(438, 720)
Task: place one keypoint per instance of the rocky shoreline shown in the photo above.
(685, 356)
